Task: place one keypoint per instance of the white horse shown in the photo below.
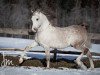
(49, 36)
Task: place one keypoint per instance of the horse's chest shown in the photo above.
(42, 37)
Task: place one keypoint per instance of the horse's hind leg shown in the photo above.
(78, 60)
(87, 52)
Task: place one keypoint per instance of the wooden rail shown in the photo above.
(14, 31)
(11, 49)
(94, 36)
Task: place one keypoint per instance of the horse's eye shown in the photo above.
(37, 19)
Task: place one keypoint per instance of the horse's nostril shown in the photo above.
(35, 29)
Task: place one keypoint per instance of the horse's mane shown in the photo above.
(48, 14)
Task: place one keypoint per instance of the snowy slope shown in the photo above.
(22, 43)
(43, 71)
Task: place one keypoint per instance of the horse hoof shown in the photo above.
(91, 68)
(83, 68)
(47, 67)
(20, 60)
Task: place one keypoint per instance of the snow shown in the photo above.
(22, 43)
(43, 71)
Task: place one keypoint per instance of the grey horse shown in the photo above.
(49, 36)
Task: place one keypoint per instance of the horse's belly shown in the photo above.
(59, 45)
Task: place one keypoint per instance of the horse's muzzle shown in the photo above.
(34, 29)
(30, 32)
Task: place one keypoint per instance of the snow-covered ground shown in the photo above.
(43, 71)
(22, 43)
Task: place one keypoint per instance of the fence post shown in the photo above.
(55, 54)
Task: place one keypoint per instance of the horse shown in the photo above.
(54, 37)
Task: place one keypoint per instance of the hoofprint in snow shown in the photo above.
(43, 71)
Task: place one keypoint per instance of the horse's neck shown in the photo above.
(46, 25)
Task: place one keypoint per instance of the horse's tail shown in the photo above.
(87, 39)
(88, 42)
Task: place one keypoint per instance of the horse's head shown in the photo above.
(37, 20)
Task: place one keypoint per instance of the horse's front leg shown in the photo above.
(27, 48)
(47, 52)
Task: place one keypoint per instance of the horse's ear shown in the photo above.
(31, 10)
(38, 10)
